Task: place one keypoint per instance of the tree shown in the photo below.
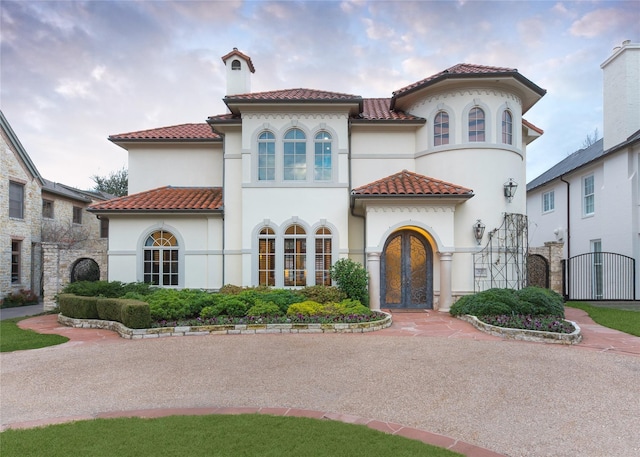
(117, 183)
(590, 139)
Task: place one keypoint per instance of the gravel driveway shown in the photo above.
(520, 399)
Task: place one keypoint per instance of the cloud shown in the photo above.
(598, 22)
(73, 89)
(377, 30)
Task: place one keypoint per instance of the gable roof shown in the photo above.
(165, 199)
(85, 196)
(466, 71)
(18, 149)
(185, 132)
(579, 159)
(410, 184)
(298, 95)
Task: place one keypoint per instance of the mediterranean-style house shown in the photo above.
(35, 211)
(590, 200)
(289, 181)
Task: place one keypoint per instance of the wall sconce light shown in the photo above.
(478, 230)
(510, 189)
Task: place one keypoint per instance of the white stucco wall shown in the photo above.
(185, 164)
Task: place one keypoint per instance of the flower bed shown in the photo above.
(527, 334)
(230, 328)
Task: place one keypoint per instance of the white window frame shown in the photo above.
(548, 202)
(588, 195)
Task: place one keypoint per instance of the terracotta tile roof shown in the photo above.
(531, 126)
(165, 199)
(235, 52)
(459, 69)
(378, 109)
(407, 183)
(191, 132)
(295, 95)
(224, 118)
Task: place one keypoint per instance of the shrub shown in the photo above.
(281, 297)
(264, 309)
(352, 279)
(322, 294)
(537, 301)
(78, 307)
(110, 289)
(229, 305)
(167, 304)
(347, 307)
(135, 314)
(306, 308)
(230, 289)
(109, 309)
(490, 302)
(21, 298)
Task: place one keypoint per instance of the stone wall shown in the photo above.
(552, 251)
(58, 262)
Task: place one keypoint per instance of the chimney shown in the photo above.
(239, 69)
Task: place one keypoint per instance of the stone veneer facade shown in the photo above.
(25, 230)
(553, 252)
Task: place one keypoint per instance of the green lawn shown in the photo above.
(13, 338)
(215, 435)
(618, 319)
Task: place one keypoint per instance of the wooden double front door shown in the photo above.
(407, 271)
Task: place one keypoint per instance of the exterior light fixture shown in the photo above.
(478, 230)
(510, 189)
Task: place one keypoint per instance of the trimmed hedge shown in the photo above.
(131, 313)
(534, 301)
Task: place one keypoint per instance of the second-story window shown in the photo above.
(548, 202)
(441, 129)
(47, 209)
(588, 192)
(16, 200)
(507, 127)
(476, 125)
(295, 155)
(77, 215)
(322, 157)
(266, 156)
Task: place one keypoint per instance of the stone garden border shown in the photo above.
(526, 335)
(231, 329)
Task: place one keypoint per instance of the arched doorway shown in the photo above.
(407, 271)
(85, 270)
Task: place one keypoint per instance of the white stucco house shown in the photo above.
(590, 199)
(289, 181)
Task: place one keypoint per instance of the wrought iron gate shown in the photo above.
(599, 276)
(503, 261)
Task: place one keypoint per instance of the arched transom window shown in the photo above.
(161, 259)
(235, 64)
(295, 256)
(322, 157)
(507, 127)
(295, 155)
(323, 256)
(476, 125)
(267, 257)
(266, 156)
(441, 128)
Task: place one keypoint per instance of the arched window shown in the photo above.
(295, 256)
(476, 125)
(266, 156)
(322, 158)
(295, 155)
(161, 259)
(323, 256)
(235, 64)
(441, 128)
(267, 257)
(507, 127)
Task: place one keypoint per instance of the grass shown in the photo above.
(242, 435)
(618, 319)
(13, 338)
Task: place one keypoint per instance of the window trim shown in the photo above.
(588, 199)
(13, 201)
(77, 215)
(441, 135)
(50, 210)
(267, 142)
(295, 155)
(322, 142)
(548, 205)
(507, 127)
(144, 235)
(477, 121)
(16, 261)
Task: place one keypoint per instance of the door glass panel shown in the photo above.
(393, 273)
(418, 271)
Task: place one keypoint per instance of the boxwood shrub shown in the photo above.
(78, 307)
(533, 301)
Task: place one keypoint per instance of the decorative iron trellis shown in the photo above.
(503, 261)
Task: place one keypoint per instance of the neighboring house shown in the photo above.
(590, 200)
(289, 181)
(34, 210)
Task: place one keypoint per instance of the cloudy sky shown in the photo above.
(74, 72)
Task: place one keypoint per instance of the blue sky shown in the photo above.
(72, 73)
